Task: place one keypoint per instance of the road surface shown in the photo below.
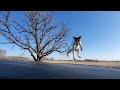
(10, 69)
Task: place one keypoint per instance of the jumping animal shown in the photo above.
(76, 46)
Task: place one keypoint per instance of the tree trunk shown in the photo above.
(39, 59)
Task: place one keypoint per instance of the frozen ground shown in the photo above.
(10, 69)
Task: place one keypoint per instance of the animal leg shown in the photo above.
(68, 53)
(73, 55)
(78, 53)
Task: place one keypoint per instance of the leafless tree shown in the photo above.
(34, 31)
(2, 53)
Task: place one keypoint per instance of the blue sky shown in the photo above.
(100, 31)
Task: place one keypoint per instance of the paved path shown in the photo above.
(10, 69)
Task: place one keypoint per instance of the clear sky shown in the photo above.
(100, 31)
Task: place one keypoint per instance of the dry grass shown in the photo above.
(113, 64)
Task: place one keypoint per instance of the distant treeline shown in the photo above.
(17, 58)
(2, 53)
(92, 60)
(89, 60)
(3, 56)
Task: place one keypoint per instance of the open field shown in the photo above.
(111, 64)
(17, 69)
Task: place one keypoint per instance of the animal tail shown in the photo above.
(64, 52)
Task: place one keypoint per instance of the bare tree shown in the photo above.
(34, 31)
(2, 53)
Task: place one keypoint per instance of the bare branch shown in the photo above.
(36, 32)
(23, 53)
(12, 47)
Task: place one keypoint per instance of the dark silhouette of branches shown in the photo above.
(34, 31)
